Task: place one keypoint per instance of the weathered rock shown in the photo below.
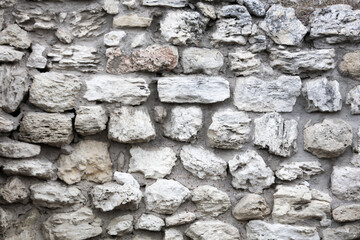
(15, 191)
(327, 139)
(6, 219)
(113, 38)
(9, 54)
(49, 128)
(160, 114)
(229, 129)
(64, 35)
(180, 219)
(111, 6)
(350, 64)
(165, 3)
(131, 125)
(260, 230)
(7, 3)
(24, 228)
(154, 58)
(37, 57)
(244, 63)
(353, 98)
(55, 195)
(347, 232)
(345, 183)
(254, 94)
(109, 88)
(132, 21)
(126, 178)
(2, 11)
(153, 163)
(139, 40)
(206, 9)
(277, 135)
(173, 234)
(40, 168)
(255, 7)
(210, 200)
(347, 213)
(14, 36)
(34, 17)
(251, 206)
(212, 230)
(120, 226)
(90, 120)
(202, 163)
(302, 61)
(149, 222)
(258, 43)
(8, 123)
(297, 170)
(89, 161)
(165, 196)
(79, 225)
(202, 60)
(193, 89)
(16, 149)
(183, 27)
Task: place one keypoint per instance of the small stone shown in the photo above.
(327, 139)
(212, 230)
(210, 200)
(350, 65)
(9, 54)
(132, 21)
(202, 163)
(149, 222)
(131, 125)
(193, 89)
(165, 3)
(90, 120)
(258, 43)
(23, 227)
(111, 6)
(180, 219)
(8, 123)
(244, 63)
(250, 207)
(297, 170)
(139, 40)
(113, 38)
(37, 57)
(202, 60)
(184, 123)
(207, 10)
(15, 191)
(126, 178)
(173, 234)
(347, 213)
(64, 35)
(6, 220)
(120, 226)
(160, 114)
(165, 196)
(154, 163)
(353, 98)
(16, 149)
(255, 7)
(14, 36)
(347, 232)
(345, 183)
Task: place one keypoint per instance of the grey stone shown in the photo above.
(37, 57)
(7, 122)
(6, 220)
(180, 219)
(160, 114)
(64, 35)
(350, 66)
(173, 234)
(90, 120)
(212, 230)
(297, 170)
(345, 183)
(132, 21)
(15, 191)
(24, 226)
(347, 213)
(206, 9)
(258, 43)
(16, 149)
(9, 54)
(347, 232)
(255, 7)
(125, 178)
(353, 98)
(113, 38)
(120, 226)
(149, 222)
(7, 3)
(14, 36)
(34, 17)
(244, 63)
(165, 3)
(111, 6)
(251, 206)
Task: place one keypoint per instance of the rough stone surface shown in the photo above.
(37, 57)
(347, 232)
(35, 17)
(160, 114)
(120, 226)
(202, 60)
(9, 54)
(297, 170)
(244, 63)
(7, 122)
(113, 38)
(347, 213)
(111, 6)
(14, 36)
(255, 7)
(180, 219)
(149, 222)
(24, 226)
(251, 206)
(126, 178)
(16, 149)
(15, 191)
(350, 65)
(212, 230)
(345, 183)
(5, 220)
(90, 120)
(173, 234)
(165, 3)
(131, 20)
(206, 10)
(353, 98)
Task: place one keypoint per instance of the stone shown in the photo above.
(335, 23)
(298, 203)
(350, 66)
(255, 7)
(35, 17)
(77, 225)
(15, 191)
(173, 234)
(212, 230)
(165, 3)
(353, 98)
(23, 227)
(109, 88)
(74, 58)
(244, 63)
(139, 40)
(37, 57)
(6, 220)
(154, 58)
(89, 161)
(54, 129)
(202, 60)
(54, 92)
(249, 172)
(125, 178)
(9, 54)
(193, 89)
(229, 129)
(277, 135)
(183, 27)
(111, 6)
(206, 9)
(302, 61)
(258, 43)
(37, 167)
(16, 149)
(184, 123)
(131, 125)
(64, 35)
(347, 232)
(347, 213)
(327, 139)
(2, 11)
(202, 163)
(345, 183)
(90, 120)
(7, 3)
(132, 21)
(160, 114)
(154, 163)
(110, 196)
(165, 196)
(149, 222)
(210, 200)
(261, 230)
(256, 95)
(14, 36)
(250, 207)
(120, 226)
(113, 38)
(180, 219)
(298, 170)
(55, 195)
(8, 123)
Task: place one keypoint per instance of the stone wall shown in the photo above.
(176, 119)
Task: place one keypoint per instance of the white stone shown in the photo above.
(90, 120)
(244, 63)
(139, 40)
(120, 226)
(113, 38)
(346, 232)
(111, 6)
(149, 222)
(206, 9)
(165, 3)
(131, 21)
(353, 98)
(160, 114)
(8, 123)
(9, 54)
(180, 219)
(347, 213)
(64, 35)
(126, 178)
(37, 57)
(251, 206)
(345, 183)
(14, 36)
(16, 149)
(297, 170)
(173, 234)
(212, 230)
(14, 191)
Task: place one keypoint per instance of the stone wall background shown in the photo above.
(74, 72)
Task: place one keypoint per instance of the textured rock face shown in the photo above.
(113, 38)
(353, 98)
(251, 206)
(297, 170)
(90, 161)
(206, 10)
(37, 57)
(202, 60)
(14, 36)
(131, 20)
(212, 230)
(7, 122)
(180, 219)
(350, 64)
(126, 90)
(254, 94)
(165, 3)
(249, 172)
(90, 120)
(255, 7)
(9, 54)
(149, 222)
(5, 220)
(153, 163)
(328, 139)
(345, 183)
(131, 125)
(165, 196)
(78, 225)
(202, 163)
(173, 234)
(16, 149)
(154, 58)
(193, 89)
(276, 134)
(34, 17)
(111, 6)
(244, 63)
(14, 191)
(347, 213)
(260, 230)
(120, 226)
(347, 232)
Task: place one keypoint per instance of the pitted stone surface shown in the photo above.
(350, 66)
(345, 183)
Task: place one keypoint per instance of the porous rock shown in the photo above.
(15, 191)
(297, 170)
(244, 63)
(250, 207)
(120, 226)
(16, 149)
(212, 230)
(350, 64)
(347, 213)
(149, 222)
(90, 120)
(255, 7)
(345, 183)
(9, 54)
(132, 21)
(14, 36)
(353, 98)
(180, 219)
